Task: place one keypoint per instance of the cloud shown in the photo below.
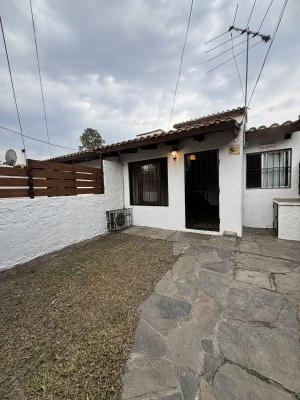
(113, 66)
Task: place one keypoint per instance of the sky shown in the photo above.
(112, 65)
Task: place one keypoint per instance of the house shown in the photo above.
(206, 175)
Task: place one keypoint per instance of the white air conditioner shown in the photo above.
(119, 219)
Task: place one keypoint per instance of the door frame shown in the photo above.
(185, 186)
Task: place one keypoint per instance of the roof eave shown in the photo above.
(236, 112)
(225, 126)
(283, 129)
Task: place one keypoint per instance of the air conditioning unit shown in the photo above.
(119, 219)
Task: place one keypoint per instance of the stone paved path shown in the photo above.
(223, 324)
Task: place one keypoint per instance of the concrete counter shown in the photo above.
(288, 218)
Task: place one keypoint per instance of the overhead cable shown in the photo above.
(268, 50)
(13, 87)
(34, 138)
(265, 16)
(251, 12)
(40, 75)
(234, 56)
(181, 61)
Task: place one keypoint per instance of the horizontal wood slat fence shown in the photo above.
(46, 178)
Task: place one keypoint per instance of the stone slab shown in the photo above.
(164, 313)
(214, 284)
(206, 312)
(160, 377)
(189, 383)
(184, 346)
(180, 248)
(206, 391)
(208, 345)
(257, 278)
(282, 249)
(265, 264)
(288, 282)
(253, 304)
(188, 266)
(288, 317)
(211, 364)
(149, 342)
(185, 341)
(220, 266)
(273, 353)
(233, 383)
(184, 289)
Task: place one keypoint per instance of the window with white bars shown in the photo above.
(269, 170)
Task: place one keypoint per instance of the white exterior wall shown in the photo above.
(32, 227)
(289, 222)
(173, 216)
(258, 203)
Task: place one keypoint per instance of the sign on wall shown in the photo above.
(267, 146)
(235, 149)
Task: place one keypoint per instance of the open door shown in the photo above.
(202, 190)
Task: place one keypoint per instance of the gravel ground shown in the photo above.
(67, 319)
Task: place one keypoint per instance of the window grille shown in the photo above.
(149, 182)
(269, 170)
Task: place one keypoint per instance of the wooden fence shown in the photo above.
(46, 178)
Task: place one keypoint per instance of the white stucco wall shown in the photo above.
(289, 222)
(258, 203)
(173, 216)
(33, 227)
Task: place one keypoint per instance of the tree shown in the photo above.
(90, 139)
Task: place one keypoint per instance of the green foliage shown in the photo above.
(90, 139)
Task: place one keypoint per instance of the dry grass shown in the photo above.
(67, 320)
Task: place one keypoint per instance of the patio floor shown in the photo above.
(223, 324)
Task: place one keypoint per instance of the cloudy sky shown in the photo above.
(112, 65)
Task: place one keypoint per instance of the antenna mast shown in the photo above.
(249, 33)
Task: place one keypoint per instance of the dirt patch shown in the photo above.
(67, 319)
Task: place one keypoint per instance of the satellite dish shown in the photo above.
(10, 157)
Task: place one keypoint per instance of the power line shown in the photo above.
(252, 9)
(237, 55)
(36, 139)
(233, 53)
(265, 16)
(181, 61)
(13, 87)
(40, 75)
(269, 48)
(235, 14)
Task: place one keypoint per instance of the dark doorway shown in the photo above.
(202, 190)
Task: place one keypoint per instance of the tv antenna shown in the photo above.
(249, 33)
(241, 32)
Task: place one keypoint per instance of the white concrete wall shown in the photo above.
(289, 222)
(173, 216)
(258, 203)
(33, 227)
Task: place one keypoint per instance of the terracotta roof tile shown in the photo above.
(184, 130)
(293, 125)
(211, 117)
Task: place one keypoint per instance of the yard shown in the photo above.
(67, 319)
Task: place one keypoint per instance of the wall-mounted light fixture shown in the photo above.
(174, 153)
